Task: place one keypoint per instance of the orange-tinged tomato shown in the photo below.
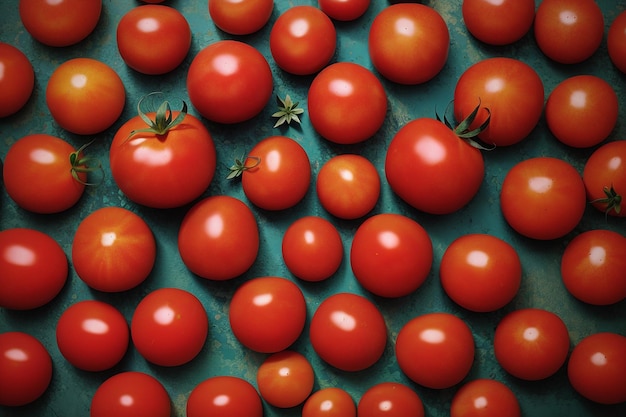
(130, 394)
(390, 399)
(485, 398)
(285, 379)
(604, 176)
(329, 402)
(498, 22)
(240, 17)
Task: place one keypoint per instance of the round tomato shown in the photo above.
(480, 272)
(485, 398)
(348, 332)
(17, 79)
(390, 399)
(616, 41)
(285, 379)
(531, 343)
(604, 176)
(240, 17)
(435, 350)
(344, 10)
(130, 394)
(348, 186)
(391, 255)
(498, 22)
(408, 43)
(569, 31)
(92, 335)
(60, 22)
(113, 249)
(329, 402)
(169, 327)
(334, 97)
(25, 369)
(303, 40)
(219, 238)
(229, 82)
(141, 28)
(593, 265)
(34, 268)
(543, 198)
(224, 396)
(267, 314)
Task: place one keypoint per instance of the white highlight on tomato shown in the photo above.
(496, 2)
(42, 156)
(405, 27)
(127, 400)
(226, 64)
(284, 371)
(148, 24)
(221, 400)
(597, 255)
(540, 184)
(78, 80)
(568, 17)
(16, 355)
(430, 150)
(385, 405)
(341, 88)
(493, 85)
(614, 163)
(2, 70)
(151, 157)
(272, 161)
(477, 258)
(299, 28)
(262, 299)
(54, 2)
(599, 359)
(20, 255)
(346, 175)
(531, 334)
(480, 402)
(309, 237)
(108, 239)
(343, 320)
(578, 99)
(326, 405)
(432, 336)
(214, 226)
(95, 326)
(389, 240)
(164, 315)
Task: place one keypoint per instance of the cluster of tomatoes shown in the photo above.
(162, 161)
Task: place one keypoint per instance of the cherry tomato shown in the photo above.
(344, 10)
(130, 394)
(531, 343)
(498, 22)
(543, 198)
(34, 268)
(391, 255)
(240, 17)
(604, 176)
(17, 79)
(616, 41)
(92, 335)
(224, 396)
(169, 327)
(334, 97)
(285, 379)
(390, 399)
(435, 350)
(408, 43)
(229, 82)
(484, 398)
(25, 368)
(141, 28)
(60, 22)
(219, 238)
(329, 402)
(480, 272)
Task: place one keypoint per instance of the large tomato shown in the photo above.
(485, 398)
(130, 394)
(616, 41)
(604, 176)
(240, 17)
(329, 402)
(390, 399)
(17, 79)
(344, 10)
(498, 22)
(224, 396)
(285, 379)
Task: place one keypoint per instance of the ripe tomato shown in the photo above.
(329, 402)
(593, 265)
(285, 379)
(240, 17)
(17, 79)
(229, 82)
(480, 272)
(219, 238)
(60, 22)
(390, 399)
(568, 31)
(34, 268)
(484, 398)
(267, 314)
(531, 343)
(348, 186)
(113, 249)
(435, 350)
(130, 394)
(391, 255)
(143, 27)
(348, 332)
(344, 10)
(303, 40)
(616, 41)
(335, 94)
(25, 368)
(498, 22)
(604, 176)
(543, 198)
(408, 43)
(169, 327)
(92, 335)
(224, 396)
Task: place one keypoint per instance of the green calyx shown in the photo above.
(288, 111)
(612, 200)
(83, 165)
(241, 165)
(163, 120)
(463, 130)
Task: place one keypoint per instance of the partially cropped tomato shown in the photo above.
(17, 79)
(485, 398)
(344, 10)
(224, 396)
(329, 402)
(34, 268)
(240, 17)
(130, 394)
(498, 22)
(390, 399)
(616, 41)
(285, 379)
(604, 176)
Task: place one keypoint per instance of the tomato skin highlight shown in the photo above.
(130, 394)
(485, 398)
(390, 399)
(207, 399)
(605, 169)
(498, 23)
(240, 17)
(285, 379)
(17, 79)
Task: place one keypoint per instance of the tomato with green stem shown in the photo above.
(130, 394)
(224, 396)
(17, 79)
(329, 402)
(604, 176)
(285, 379)
(485, 398)
(390, 399)
(498, 22)
(240, 17)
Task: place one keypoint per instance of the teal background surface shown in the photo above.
(71, 389)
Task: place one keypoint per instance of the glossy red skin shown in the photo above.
(208, 398)
(17, 79)
(285, 379)
(390, 399)
(329, 402)
(616, 42)
(130, 394)
(606, 168)
(240, 17)
(344, 10)
(485, 398)
(498, 23)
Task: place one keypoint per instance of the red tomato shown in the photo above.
(334, 95)
(604, 176)
(344, 10)
(60, 22)
(543, 198)
(498, 22)
(329, 402)
(113, 249)
(435, 350)
(130, 394)
(512, 91)
(582, 111)
(224, 396)
(568, 31)
(229, 82)
(390, 399)
(285, 379)
(408, 43)
(348, 332)
(391, 255)
(348, 186)
(480, 272)
(219, 238)
(485, 398)
(240, 17)
(17, 79)
(267, 314)
(34, 268)
(303, 40)
(169, 327)
(141, 28)
(312, 248)
(531, 343)
(616, 41)
(25, 369)
(593, 265)
(92, 335)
